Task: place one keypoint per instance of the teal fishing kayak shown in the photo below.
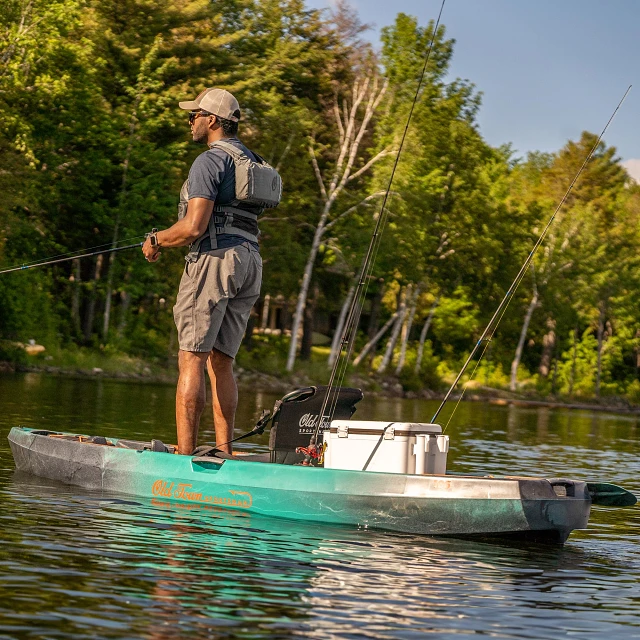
(516, 507)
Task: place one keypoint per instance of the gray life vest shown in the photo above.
(258, 186)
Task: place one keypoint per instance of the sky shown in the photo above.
(547, 69)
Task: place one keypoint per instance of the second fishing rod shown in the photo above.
(491, 327)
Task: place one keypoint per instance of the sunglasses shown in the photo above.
(193, 115)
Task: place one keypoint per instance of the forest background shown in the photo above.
(93, 151)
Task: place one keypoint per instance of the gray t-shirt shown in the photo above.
(212, 176)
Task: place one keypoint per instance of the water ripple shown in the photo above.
(78, 564)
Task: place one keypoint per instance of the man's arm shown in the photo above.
(183, 232)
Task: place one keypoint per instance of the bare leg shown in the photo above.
(225, 396)
(190, 398)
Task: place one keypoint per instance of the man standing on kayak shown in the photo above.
(223, 272)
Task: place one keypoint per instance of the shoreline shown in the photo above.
(389, 388)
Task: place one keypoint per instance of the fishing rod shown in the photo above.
(23, 267)
(348, 336)
(497, 316)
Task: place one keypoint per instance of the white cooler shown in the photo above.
(392, 447)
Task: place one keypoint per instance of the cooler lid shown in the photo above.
(374, 427)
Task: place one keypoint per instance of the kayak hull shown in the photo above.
(417, 504)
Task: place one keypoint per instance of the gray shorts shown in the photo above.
(215, 299)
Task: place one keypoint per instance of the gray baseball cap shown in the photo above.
(219, 102)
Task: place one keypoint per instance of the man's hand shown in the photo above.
(183, 232)
(151, 253)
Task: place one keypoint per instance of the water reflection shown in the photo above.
(172, 570)
(75, 563)
(106, 565)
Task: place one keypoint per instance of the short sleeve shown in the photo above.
(205, 175)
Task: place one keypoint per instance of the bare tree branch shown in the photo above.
(285, 153)
(316, 170)
(372, 161)
(374, 100)
(364, 201)
(345, 112)
(351, 133)
(349, 147)
(336, 113)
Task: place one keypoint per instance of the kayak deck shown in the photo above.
(518, 507)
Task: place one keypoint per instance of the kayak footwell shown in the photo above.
(444, 505)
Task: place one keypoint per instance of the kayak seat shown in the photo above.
(295, 419)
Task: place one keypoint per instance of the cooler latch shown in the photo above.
(389, 433)
(343, 431)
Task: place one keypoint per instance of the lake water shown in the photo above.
(77, 563)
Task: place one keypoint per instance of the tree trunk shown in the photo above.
(304, 287)
(391, 343)
(393, 338)
(372, 343)
(116, 229)
(336, 343)
(548, 345)
(487, 369)
(573, 361)
(601, 317)
(75, 299)
(265, 312)
(285, 317)
(106, 318)
(368, 93)
(523, 334)
(91, 307)
(423, 333)
(376, 305)
(125, 303)
(307, 329)
(406, 331)
(554, 381)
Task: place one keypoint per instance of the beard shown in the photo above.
(200, 131)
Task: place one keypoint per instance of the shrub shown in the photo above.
(633, 392)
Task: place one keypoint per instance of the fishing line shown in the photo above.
(42, 261)
(84, 255)
(351, 326)
(359, 300)
(497, 316)
(348, 336)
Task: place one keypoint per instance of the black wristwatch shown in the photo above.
(153, 237)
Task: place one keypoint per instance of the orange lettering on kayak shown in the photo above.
(184, 491)
(162, 488)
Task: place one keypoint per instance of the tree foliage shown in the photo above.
(93, 150)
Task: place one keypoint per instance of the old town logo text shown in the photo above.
(185, 491)
(308, 423)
